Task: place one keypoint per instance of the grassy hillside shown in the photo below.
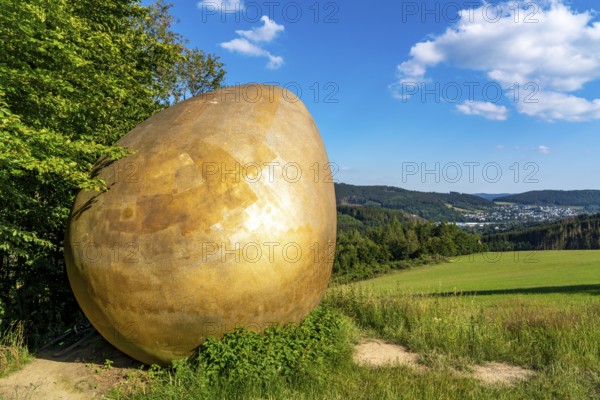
(432, 206)
(496, 274)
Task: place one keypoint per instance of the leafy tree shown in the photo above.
(396, 240)
(412, 243)
(74, 77)
(193, 71)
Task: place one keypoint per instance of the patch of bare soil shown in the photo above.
(378, 353)
(82, 373)
(501, 374)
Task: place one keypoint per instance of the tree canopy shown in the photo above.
(75, 76)
(375, 240)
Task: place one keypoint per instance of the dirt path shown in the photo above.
(80, 374)
(83, 374)
(48, 379)
(378, 353)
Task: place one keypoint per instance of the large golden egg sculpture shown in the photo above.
(222, 217)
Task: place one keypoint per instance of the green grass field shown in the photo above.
(552, 274)
(541, 311)
(534, 310)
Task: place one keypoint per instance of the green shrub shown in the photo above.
(246, 363)
(252, 357)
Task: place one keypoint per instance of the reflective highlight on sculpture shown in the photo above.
(223, 216)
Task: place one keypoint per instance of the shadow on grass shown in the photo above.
(572, 289)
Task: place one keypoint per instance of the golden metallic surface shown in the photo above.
(223, 217)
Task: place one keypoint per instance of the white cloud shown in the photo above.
(244, 47)
(484, 109)
(556, 48)
(249, 42)
(265, 33)
(275, 61)
(224, 6)
(560, 106)
(543, 149)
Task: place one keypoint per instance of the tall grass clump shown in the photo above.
(280, 360)
(513, 329)
(313, 360)
(13, 352)
(559, 340)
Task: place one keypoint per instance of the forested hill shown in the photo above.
(574, 233)
(431, 206)
(375, 240)
(579, 198)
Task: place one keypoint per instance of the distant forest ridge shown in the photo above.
(452, 206)
(492, 196)
(574, 233)
(428, 205)
(576, 198)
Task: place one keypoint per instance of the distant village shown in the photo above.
(506, 215)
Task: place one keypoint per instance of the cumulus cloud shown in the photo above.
(556, 48)
(554, 106)
(485, 109)
(224, 6)
(543, 149)
(250, 42)
(265, 33)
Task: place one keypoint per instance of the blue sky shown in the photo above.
(431, 96)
